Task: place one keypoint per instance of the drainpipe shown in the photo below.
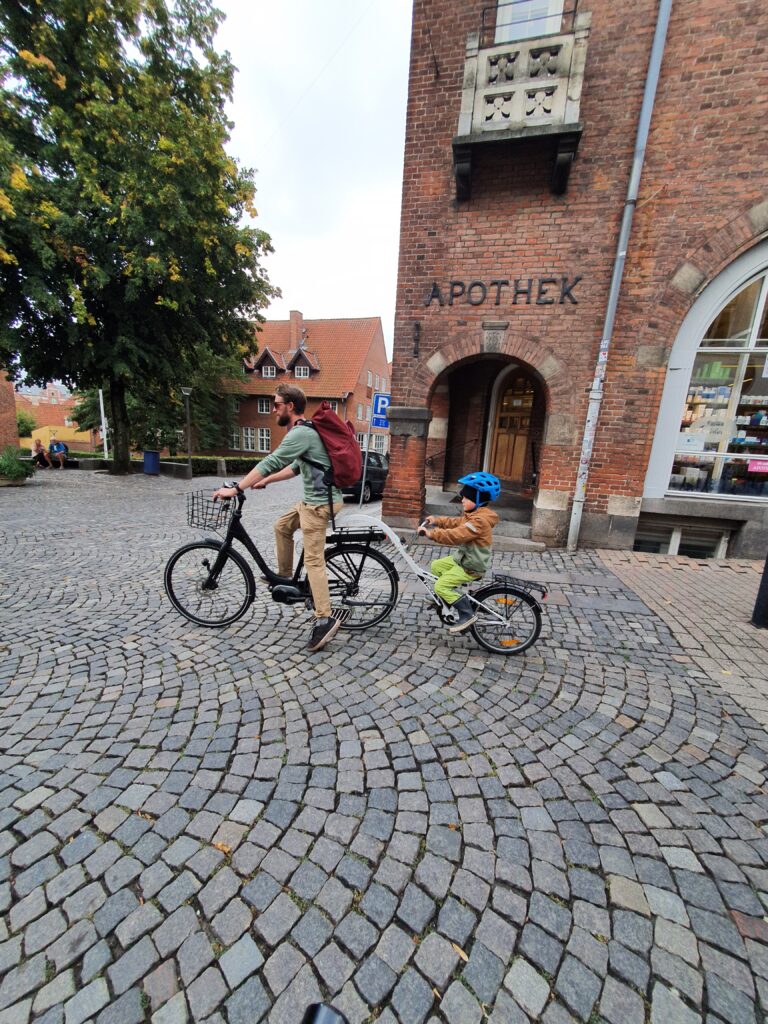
(596, 393)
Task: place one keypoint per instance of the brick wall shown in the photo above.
(8, 433)
(701, 176)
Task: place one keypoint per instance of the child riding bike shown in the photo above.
(473, 532)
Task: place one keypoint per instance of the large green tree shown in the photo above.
(124, 256)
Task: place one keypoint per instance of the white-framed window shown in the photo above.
(265, 404)
(380, 443)
(268, 370)
(236, 402)
(333, 404)
(384, 384)
(265, 439)
(67, 421)
(370, 379)
(362, 440)
(234, 440)
(527, 19)
(368, 412)
(301, 371)
(359, 410)
(722, 445)
(249, 439)
(378, 382)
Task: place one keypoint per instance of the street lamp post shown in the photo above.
(187, 392)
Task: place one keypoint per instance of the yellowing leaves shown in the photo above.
(18, 179)
(39, 60)
(7, 257)
(6, 206)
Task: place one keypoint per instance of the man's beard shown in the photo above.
(283, 419)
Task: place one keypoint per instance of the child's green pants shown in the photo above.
(450, 576)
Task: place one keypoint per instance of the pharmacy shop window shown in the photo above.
(722, 445)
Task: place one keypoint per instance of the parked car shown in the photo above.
(375, 478)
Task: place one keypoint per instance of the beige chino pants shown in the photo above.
(312, 520)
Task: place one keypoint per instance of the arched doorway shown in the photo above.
(511, 430)
(515, 425)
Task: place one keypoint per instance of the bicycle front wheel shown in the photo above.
(208, 586)
(362, 583)
(508, 619)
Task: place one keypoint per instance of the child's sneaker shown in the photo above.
(466, 615)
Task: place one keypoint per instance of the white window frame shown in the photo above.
(333, 404)
(265, 405)
(301, 371)
(362, 440)
(370, 379)
(359, 410)
(527, 19)
(380, 443)
(268, 370)
(378, 382)
(236, 402)
(384, 384)
(687, 345)
(249, 439)
(265, 440)
(368, 413)
(235, 442)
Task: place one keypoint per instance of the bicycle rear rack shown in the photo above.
(527, 585)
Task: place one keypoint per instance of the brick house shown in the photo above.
(530, 340)
(342, 361)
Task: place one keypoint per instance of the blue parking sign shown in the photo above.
(379, 416)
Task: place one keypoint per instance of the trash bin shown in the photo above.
(152, 463)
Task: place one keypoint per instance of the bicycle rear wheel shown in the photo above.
(508, 619)
(362, 583)
(207, 593)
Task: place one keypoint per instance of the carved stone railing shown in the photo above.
(520, 90)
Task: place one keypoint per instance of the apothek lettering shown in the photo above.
(517, 291)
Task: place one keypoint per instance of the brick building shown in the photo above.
(342, 361)
(524, 322)
(9, 435)
(52, 408)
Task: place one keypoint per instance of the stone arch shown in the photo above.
(560, 397)
(716, 251)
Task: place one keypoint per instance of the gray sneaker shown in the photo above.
(322, 632)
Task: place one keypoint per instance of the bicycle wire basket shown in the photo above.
(207, 514)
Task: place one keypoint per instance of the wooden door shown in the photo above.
(511, 431)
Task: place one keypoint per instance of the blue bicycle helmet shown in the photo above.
(482, 488)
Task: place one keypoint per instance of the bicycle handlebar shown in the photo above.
(240, 495)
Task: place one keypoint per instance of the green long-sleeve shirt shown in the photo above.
(302, 441)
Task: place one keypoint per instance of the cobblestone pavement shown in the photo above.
(210, 825)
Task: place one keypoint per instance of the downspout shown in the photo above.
(596, 392)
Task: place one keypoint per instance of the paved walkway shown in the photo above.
(209, 825)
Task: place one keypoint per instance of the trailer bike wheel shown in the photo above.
(362, 584)
(508, 620)
(207, 594)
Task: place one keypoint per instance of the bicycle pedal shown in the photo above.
(341, 614)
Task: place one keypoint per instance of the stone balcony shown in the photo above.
(517, 91)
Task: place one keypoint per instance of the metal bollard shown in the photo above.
(760, 613)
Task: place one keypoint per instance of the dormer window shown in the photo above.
(301, 371)
(268, 370)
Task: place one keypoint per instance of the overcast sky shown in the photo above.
(319, 112)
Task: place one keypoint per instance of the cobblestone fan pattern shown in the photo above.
(211, 826)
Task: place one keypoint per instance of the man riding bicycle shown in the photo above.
(299, 449)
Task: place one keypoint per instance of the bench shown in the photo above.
(69, 462)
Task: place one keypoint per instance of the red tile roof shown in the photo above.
(338, 347)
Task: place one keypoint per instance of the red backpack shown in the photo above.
(340, 444)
